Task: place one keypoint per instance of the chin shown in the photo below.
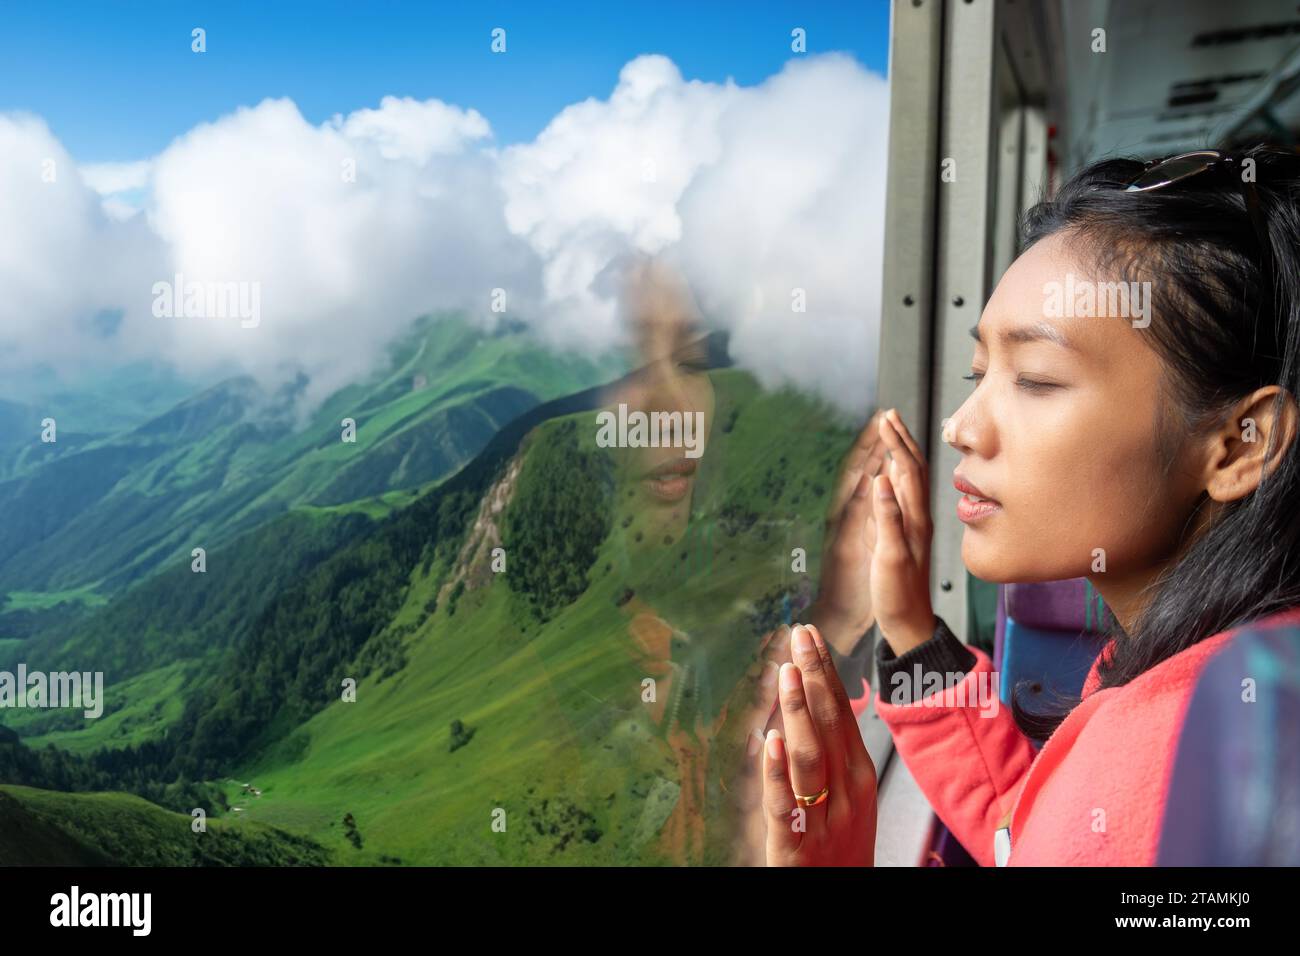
(998, 564)
(1023, 563)
(980, 562)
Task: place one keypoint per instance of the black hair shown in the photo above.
(1220, 335)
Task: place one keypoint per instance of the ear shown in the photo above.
(1251, 443)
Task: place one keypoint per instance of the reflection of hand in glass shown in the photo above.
(728, 743)
(738, 738)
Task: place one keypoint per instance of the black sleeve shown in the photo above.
(855, 666)
(942, 653)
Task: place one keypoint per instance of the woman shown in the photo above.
(701, 800)
(1149, 449)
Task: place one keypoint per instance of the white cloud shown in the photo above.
(755, 191)
(409, 129)
(62, 260)
(347, 244)
(109, 178)
(605, 179)
(794, 206)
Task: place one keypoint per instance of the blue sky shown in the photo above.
(117, 81)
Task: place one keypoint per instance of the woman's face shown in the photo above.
(1061, 432)
(673, 378)
(672, 389)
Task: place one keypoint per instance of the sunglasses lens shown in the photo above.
(1176, 168)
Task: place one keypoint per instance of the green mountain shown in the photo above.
(101, 401)
(559, 738)
(482, 698)
(87, 517)
(43, 828)
(162, 639)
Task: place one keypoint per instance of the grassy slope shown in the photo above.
(40, 827)
(135, 710)
(30, 840)
(555, 707)
(42, 600)
(159, 641)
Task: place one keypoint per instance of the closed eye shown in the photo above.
(694, 357)
(1029, 385)
(1025, 384)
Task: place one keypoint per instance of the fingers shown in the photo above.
(913, 500)
(900, 451)
(756, 697)
(854, 749)
(778, 802)
(902, 448)
(865, 457)
(805, 754)
(869, 437)
(775, 647)
(897, 421)
(773, 639)
(910, 482)
(765, 701)
(854, 537)
(801, 761)
(778, 653)
(820, 685)
(891, 546)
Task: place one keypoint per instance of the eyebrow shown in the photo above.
(1038, 332)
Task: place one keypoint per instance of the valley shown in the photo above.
(511, 698)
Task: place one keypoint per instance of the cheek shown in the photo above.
(1075, 479)
(705, 403)
(695, 393)
(632, 394)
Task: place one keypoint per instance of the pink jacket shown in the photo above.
(1093, 796)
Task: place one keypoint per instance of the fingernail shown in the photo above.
(755, 741)
(789, 677)
(883, 490)
(803, 645)
(774, 744)
(817, 638)
(768, 679)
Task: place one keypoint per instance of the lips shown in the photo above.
(967, 488)
(671, 481)
(677, 466)
(974, 504)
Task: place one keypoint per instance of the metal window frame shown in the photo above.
(967, 84)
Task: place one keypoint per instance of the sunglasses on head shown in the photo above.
(1175, 169)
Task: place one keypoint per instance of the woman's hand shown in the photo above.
(899, 541)
(842, 611)
(820, 751)
(876, 559)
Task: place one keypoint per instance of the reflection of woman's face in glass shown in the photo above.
(672, 380)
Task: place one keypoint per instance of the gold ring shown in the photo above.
(815, 799)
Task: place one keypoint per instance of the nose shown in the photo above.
(960, 431)
(949, 433)
(667, 389)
